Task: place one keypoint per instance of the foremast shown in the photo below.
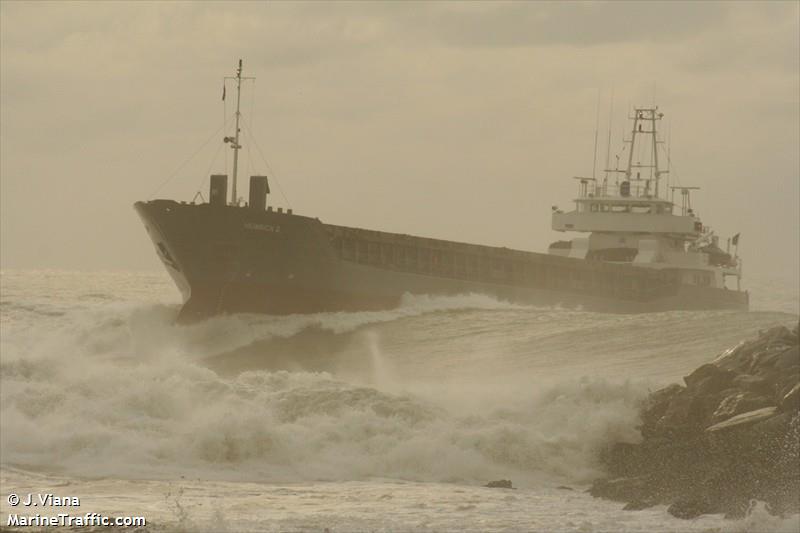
(235, 144)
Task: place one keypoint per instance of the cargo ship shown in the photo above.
(642, 251)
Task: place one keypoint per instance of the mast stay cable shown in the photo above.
(186, 161)
(208, 171)
(264, 159)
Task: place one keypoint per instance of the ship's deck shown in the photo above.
(499, 265)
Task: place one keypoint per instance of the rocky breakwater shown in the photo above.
(730, 436)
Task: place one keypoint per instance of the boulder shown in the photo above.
(755, 384)
(738, 403)
(773, 431)
(655, 407)
(709, 379)
(691, 507)
(692, 409)
(638, 505)
(788, 358)
(744, 419)
(730, 436)
(791, 400)
(737, 358)
(749, 356)
(779, 357)
(500, 484)
(784, 384)
(620, 489)
(778, 335)
(623, 458)
(680, 415)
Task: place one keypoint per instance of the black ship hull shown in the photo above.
(227, 259)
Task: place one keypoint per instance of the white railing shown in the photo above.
(590, 188)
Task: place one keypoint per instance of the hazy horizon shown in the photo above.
(463, 121)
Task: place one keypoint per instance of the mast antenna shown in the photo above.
(669, 150)
(596, 131)
(235, 139)
(608, 145)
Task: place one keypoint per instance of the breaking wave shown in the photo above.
(463, 388)
(120, 396)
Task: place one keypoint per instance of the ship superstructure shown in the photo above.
(630, 220)
(242, 255)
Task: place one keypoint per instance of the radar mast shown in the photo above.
(643, 115)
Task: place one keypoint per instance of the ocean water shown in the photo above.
(372, 421)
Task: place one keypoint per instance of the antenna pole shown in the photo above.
(608, 145)
(236, 145)
(596, 131)
(637, 116)
(669, 159)
(653, 119)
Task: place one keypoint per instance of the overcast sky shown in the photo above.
(462, 121)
